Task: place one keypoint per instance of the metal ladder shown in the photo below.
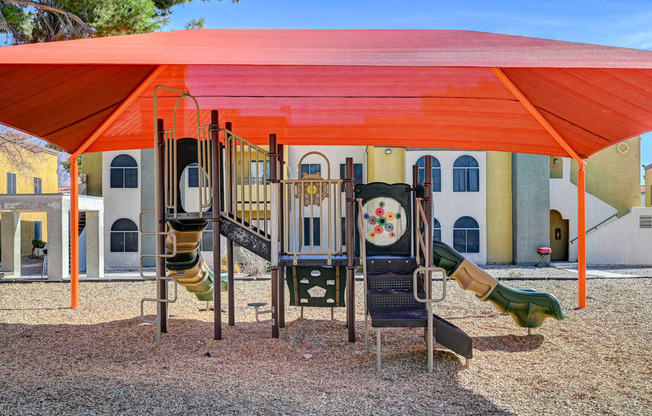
(158, 277)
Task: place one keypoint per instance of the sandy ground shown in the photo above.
(101, 359)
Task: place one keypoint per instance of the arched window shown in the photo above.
(466, 174)
(436, 230)
(466, 235)
(124, 172)
(124, 236)
(436, 172)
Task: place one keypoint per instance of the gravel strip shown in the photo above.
(100, 358)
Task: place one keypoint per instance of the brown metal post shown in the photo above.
(427, 208)
(229, 250)
(160, 207)
(217, 225)
(350, 251)
(415, 209)
(281, 278)
(230, 270)
(273, 173)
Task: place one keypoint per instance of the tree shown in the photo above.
(14, 146)
(31, 21)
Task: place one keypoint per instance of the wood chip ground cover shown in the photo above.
(101, 359)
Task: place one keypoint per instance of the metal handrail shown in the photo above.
(166, 255)
(171, 300)
(594, 227)
(237, 146)
(415, 277)
(306, 196)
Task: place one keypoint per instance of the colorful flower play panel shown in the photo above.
(381, 217)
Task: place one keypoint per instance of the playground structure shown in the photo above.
(437, 89)
(388, 228)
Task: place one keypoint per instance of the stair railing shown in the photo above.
(246, 184)
(430, 334)
(595, 227)
(363, 262)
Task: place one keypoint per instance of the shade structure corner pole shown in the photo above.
(581, 187)
(217, 227)
(581, 235)
(74, 237)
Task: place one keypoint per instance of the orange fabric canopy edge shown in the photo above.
(415, 88)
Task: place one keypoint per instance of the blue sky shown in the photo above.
(615, 23)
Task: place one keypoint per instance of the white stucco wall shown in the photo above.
(449, 206)
(622, 241)
(119, 203)
(563, 198)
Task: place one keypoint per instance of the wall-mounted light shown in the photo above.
(555, 161)
(388, 151)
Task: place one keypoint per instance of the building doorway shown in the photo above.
(558, 237)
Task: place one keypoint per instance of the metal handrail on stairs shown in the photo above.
(242, 190)
(595, 227)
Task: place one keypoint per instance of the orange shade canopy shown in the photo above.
(417, 88)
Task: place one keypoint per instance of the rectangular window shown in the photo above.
(131, 242)
(207, 238)
(38, 186)
(117, 178)
(117, 242)
(131, 177)
(357, 173)
(193, 176)
(436, 234)
(436, 178)
(38, 230)
(472, 241)
(645, 221)
(310, 168)
(459, 180)
(315, 232)
(459, 240)
(11, 183)
(473, 180)
(260, 170)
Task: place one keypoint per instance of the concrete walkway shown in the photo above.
(602, 274)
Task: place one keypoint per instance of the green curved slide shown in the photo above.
(187, 266)
(528, 307)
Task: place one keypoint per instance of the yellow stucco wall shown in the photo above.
(499, 207)
(92, 168)
(648, 187)
(383, 167)
(614, 177)
(40, 165)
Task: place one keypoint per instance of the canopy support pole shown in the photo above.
(74, 173)
(74, 236)
(581, 187)
(581, 236)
